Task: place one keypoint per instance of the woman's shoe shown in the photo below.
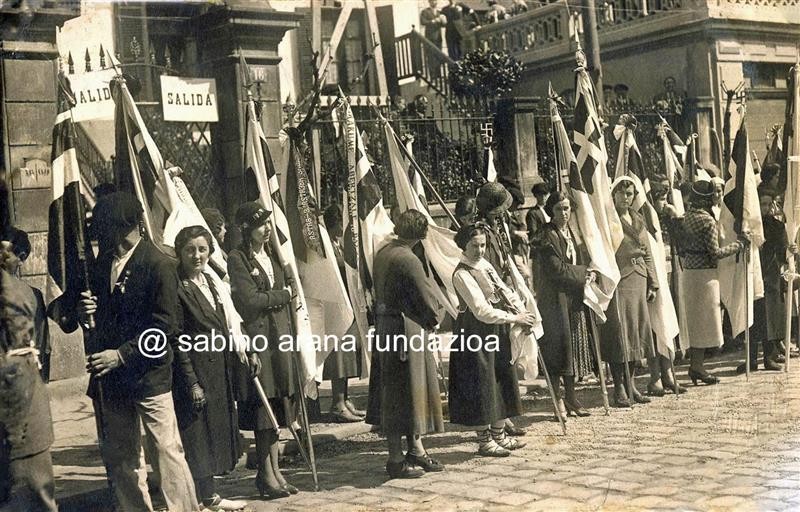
(576, 409)
(492, 449)
(289, 487)
(270, 493)
(403, 469)
(705, 377)
(621, 400)
(655, 390)
(352, 408)
(509, 443)
(772, 365)
(639, 398)
(513, 430)
(217, 503)
(425, 462)
(344, 416)
(674, 387)
(561, 410)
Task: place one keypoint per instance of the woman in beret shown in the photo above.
(261, 296)
(203, 378)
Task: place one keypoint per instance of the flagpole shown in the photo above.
(600, 362)
(747, 311)
(789, 276)
(418, 169)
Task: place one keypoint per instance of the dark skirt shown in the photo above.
(278, 377)
(211, 436)
(343, 364)
(568, 351)
(628, 320)
(768, 318)
(404, 394)
(483, 384)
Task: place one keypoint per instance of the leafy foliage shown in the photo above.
(484, 73)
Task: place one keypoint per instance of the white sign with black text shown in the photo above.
(92, 95)
(189, 99)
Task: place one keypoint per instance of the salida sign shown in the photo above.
(92, 95)
(189, 99)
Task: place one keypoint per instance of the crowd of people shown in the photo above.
(182, 411)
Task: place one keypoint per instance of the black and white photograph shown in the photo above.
(399, 255)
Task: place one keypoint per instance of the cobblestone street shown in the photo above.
(731, 446)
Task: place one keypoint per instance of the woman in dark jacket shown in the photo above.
(259, 291)
(562, 274)
(404, 393)
(484, 390)
(627, 336)
(203, 379)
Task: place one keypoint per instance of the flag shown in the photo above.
(489, 171)
(68, 253)
(791, 164)
(258, 162)
(366, 224)
(328, 304)
(741, 212)
(591, 191)
(140, 169)
(672, 166)
(443, 255)
(716, 150)
(413, 176)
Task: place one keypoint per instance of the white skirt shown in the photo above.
(701, 307)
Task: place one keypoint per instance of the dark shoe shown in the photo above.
(352, 408)
(345, 416)
(673, 387)
(741, 368)
(621, 400)
(779, 358)
(639, 398)
(425, 462)
(654, 390)
(289, 487)
(772, 366)
(513, 430)
(704, 377)
(403, 469)
(270, 493)
(576, 409)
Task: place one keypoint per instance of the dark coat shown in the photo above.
(404, 392)
(559, 292)
(535, 222)
(211, 436)
(429, 19)
(145, 296)
(264, 310)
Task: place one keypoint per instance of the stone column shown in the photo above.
(700, 115)
(223, 34)
(515, 134)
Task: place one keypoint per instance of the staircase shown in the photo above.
(420, 59)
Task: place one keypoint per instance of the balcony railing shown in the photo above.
(554, 24)
(417, 57)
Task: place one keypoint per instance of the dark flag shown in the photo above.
(68, 254)
(302, 208)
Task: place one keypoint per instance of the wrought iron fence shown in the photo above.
(447, 145)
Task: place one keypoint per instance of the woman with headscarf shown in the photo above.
(484, 390)
(203, 379)
(562, 274)
(404, 394)
(700, 251)
(627, 336)
(261, 295)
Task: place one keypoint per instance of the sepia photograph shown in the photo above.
(399, 255)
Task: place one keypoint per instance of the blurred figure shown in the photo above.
(432, 19)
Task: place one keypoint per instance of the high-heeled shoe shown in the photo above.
(640, 398)
(289, 487)
(653, 390)
(268, 492)
(576, 409)
(705, 377)
(673, 387)
(621, 400)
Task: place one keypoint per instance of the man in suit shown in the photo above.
(133, 306)
(461, 19)
(536, 217)
(433, 20)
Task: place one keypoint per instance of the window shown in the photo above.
(765, 75)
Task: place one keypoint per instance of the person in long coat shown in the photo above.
(404, 394)
(627, 336)
(698, 236)
(203, 378)
(483, 384)
(562, 274)
(261, 295)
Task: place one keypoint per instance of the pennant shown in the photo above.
(68, 253)
(741, 212)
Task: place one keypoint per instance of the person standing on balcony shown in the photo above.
(433, 20)
(520, 7)
(496, 12)
(460, 20)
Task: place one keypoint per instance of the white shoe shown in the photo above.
(221, 503)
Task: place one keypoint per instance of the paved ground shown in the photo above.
(734, 446)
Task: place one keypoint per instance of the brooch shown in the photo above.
(255, 272)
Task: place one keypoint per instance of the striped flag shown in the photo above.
(591, 191)
(741, 212)
(258, 162)
(139, 168)
(413, 175)
(68, 253)
(328, 303)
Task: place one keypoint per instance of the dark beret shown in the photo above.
(251, 215)
(116, 211)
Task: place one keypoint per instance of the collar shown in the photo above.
(127, 254)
